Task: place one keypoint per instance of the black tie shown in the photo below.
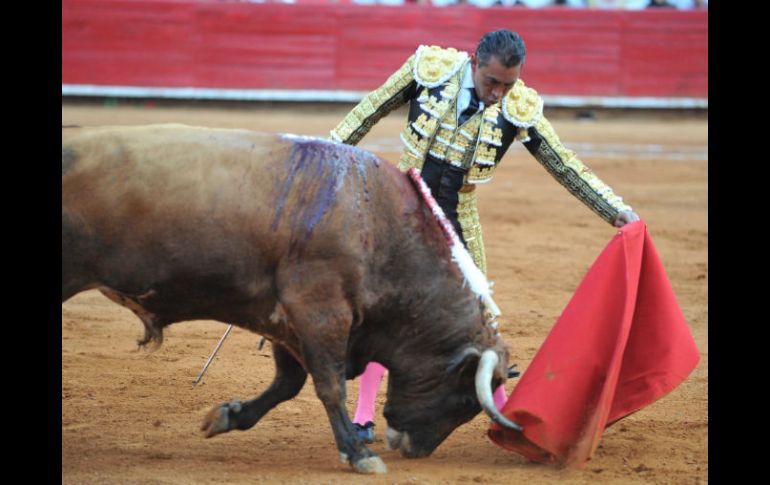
(471, 109)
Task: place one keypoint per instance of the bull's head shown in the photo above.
(425, 405)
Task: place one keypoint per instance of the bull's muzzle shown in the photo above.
(397, 440)
(401, 441)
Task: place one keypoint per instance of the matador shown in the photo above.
(464, 113)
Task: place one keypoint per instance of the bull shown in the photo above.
(324, 249)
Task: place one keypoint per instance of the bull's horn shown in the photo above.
(487, 364)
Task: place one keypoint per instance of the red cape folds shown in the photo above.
(621, 343)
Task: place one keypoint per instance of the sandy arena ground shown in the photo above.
(130, 416)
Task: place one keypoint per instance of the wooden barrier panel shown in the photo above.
(237, 45)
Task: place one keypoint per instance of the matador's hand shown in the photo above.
(625, 217)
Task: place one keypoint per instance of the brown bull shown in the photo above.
(324, 249)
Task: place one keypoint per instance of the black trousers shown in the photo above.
(445, 182)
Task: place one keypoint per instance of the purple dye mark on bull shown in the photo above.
(316, 171)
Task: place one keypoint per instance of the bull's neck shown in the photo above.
(417, 304)
(426, 316)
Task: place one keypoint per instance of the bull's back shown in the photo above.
(180, 199)
(162, 165)
(149, 177)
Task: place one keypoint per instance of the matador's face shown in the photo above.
(493, 80)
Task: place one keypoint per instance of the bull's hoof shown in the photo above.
(369, 465)
(217, 421)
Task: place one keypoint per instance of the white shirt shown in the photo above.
(464, 98)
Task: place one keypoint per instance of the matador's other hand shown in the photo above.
(625, 217)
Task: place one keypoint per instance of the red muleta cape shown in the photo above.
(621, 343)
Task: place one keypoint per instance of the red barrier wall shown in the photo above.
(215, 44)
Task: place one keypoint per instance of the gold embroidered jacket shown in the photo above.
(430, 81)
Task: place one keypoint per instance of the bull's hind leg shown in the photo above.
(288, 381)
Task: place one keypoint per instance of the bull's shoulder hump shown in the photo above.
(334, 150)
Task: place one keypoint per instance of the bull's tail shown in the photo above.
(153, 325)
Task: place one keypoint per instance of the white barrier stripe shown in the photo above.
(305, 95)
(300, 95)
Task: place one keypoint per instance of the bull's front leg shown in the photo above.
(319, 303)
(329, 380)
(288, 381)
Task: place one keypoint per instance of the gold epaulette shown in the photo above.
(522, 106)
(433, 65)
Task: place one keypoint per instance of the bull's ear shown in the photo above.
(463, 359)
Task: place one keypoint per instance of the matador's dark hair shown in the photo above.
(506, 46)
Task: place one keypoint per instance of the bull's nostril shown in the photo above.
(406, 445)
(399, 440)
(392, 438)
